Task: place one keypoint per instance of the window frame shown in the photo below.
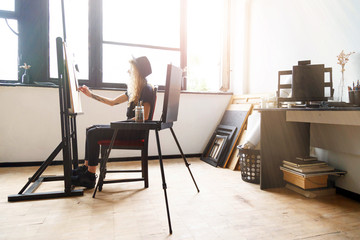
(36, 29)
(8, 14)
(96, 45)
(33, 34)
(24, 10)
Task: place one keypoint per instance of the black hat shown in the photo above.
(143, 66)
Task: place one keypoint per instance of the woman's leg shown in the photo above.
(82, 169)
(95, 134)
(86, 175)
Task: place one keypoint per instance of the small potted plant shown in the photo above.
(25, 78)
(343, 58)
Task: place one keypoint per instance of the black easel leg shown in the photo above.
(74, 142)
(30, 195)
(43, 167)
(183, 156)
(163, 179)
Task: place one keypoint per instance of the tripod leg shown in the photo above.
(163, 179)
(183, 156)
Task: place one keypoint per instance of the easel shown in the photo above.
(169, 116)
(67, 145)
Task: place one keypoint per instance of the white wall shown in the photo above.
(282, 32)
(267, 36)
(30, 122)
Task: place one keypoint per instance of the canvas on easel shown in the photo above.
(75, 102)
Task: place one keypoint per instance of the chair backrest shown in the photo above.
(172, 94)
(152, 110)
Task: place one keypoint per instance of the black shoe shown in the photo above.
(80, 170)
(86, 179)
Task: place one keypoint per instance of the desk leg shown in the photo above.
(163, 179)
(280, 140)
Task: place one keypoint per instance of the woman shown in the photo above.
(138, 91)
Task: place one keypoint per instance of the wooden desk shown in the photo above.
(285, 134)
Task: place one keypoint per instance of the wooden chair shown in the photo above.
(141, 144)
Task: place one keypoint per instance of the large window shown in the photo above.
(130, 28)
(205, 36)
(104, 35)
(8, 41)
(7, 5)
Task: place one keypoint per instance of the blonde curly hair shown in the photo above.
(136, 84)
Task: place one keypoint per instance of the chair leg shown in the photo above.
(102, 173)
(102, 162)
(102, 166)
(144, 167)
(102, 170)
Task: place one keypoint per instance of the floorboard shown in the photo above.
(226, 208)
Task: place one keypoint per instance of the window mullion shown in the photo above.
(95, 43)
(183, 40)
(33, 38)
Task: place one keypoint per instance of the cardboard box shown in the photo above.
(309, 182)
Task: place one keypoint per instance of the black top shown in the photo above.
(147, 95)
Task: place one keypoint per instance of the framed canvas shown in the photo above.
(218, 146)
(70, 65)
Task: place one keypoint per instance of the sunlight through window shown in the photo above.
(9, 50)
(76, 16)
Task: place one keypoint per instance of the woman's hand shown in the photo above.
(85, 90)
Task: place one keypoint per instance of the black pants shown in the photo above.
(97, 133)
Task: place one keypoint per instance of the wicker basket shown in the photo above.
(249, 161)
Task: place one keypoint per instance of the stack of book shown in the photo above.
(307, 172)
(307, 165)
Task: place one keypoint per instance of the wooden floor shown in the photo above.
(226, 208)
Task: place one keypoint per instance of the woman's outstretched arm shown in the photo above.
(114, 101)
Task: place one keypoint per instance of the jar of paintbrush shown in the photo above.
(354, 93)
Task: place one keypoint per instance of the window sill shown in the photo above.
(53, 85)
(207, 93)
(40, 84)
